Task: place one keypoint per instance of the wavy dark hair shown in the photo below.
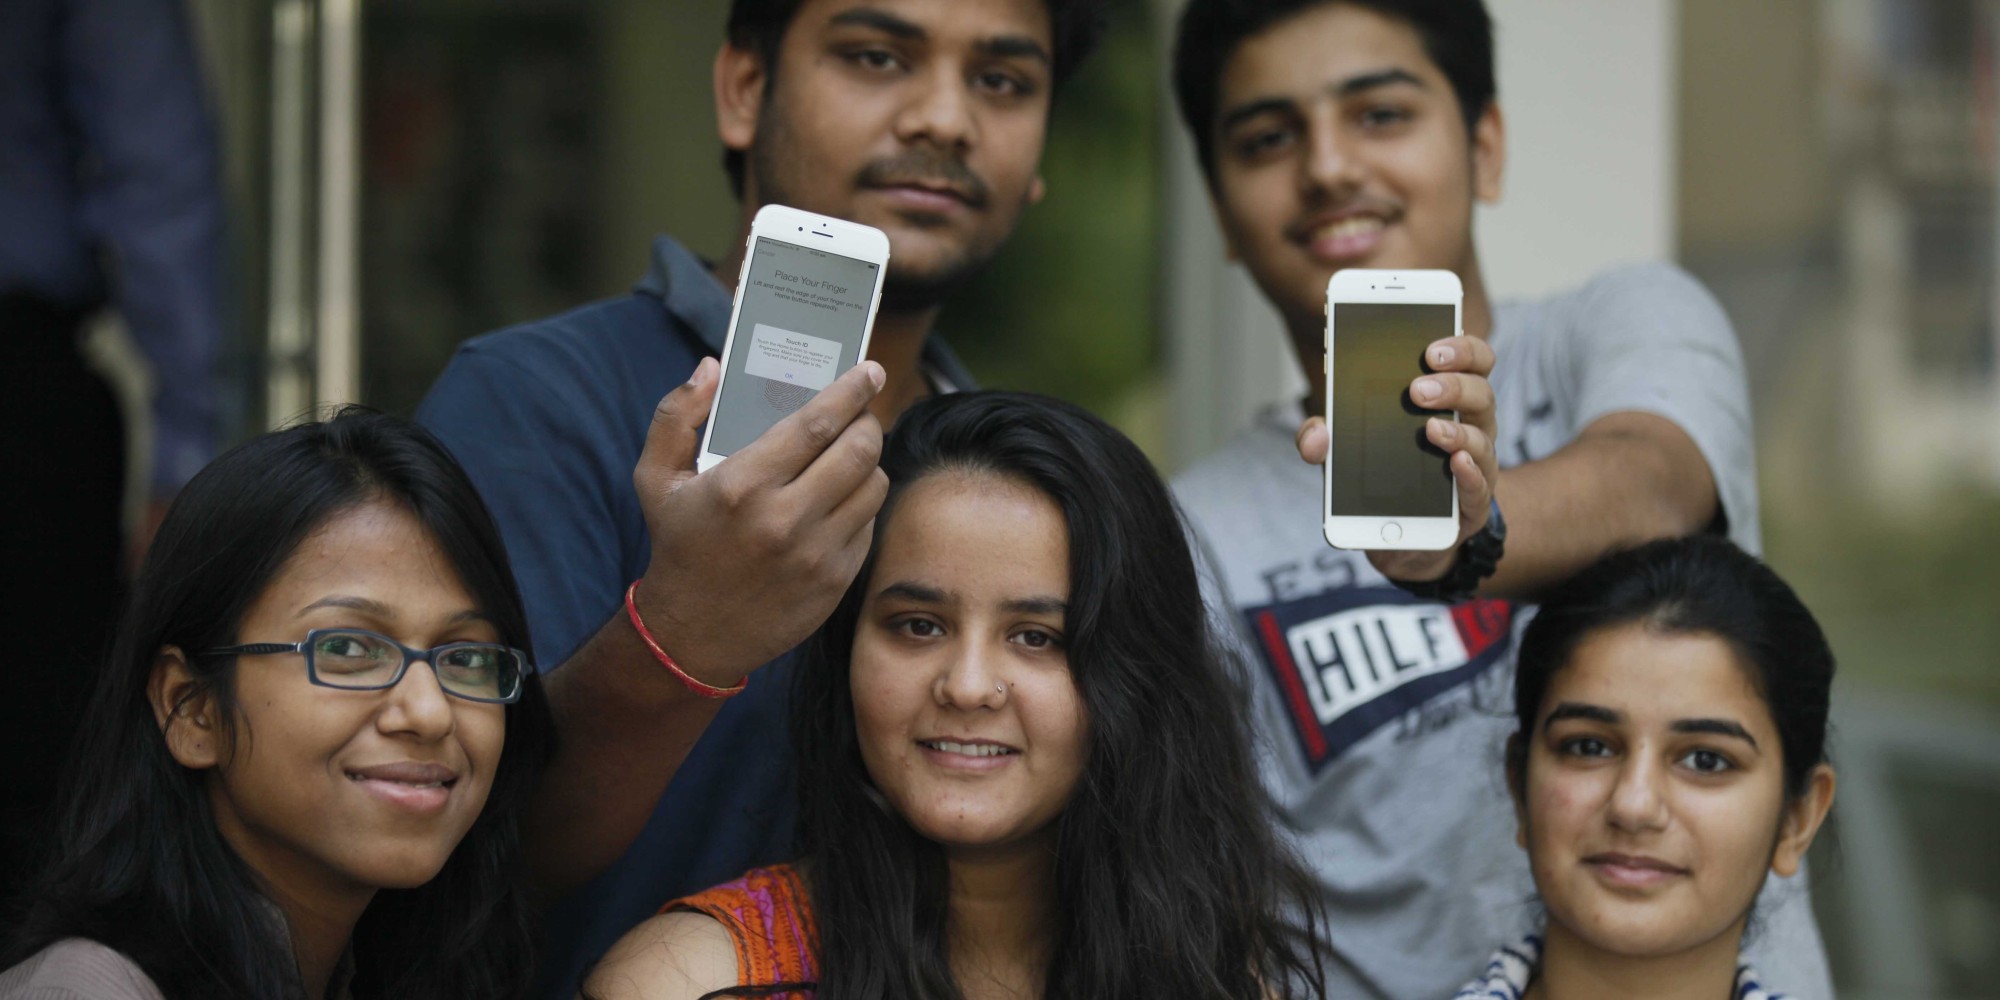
(1171, 879)
(1699, 585)
(139, 864)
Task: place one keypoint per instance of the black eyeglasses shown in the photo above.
(358, 660)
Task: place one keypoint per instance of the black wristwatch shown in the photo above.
(1478, 557)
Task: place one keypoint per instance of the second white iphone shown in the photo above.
(1387, 486)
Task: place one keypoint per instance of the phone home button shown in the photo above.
(1392, 532)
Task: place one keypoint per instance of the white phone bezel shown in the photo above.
(1405, 287)
(784, 224)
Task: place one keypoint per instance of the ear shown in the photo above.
(1037, 189)
(1489, 154)
(740, 80)
(1802, 821)
(1516, 759)
(184, 710)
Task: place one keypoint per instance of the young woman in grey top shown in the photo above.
(290, 781)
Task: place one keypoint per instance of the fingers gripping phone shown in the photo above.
(1387, 486)
(805, 304)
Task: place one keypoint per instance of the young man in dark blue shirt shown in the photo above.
(925, 118)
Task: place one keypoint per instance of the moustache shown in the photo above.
(928, 169)
(1302, 227)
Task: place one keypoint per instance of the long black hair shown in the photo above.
(1700, 585)
(1171, 881)
(139, 864)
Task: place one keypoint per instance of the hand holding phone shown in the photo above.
(750, 557)
(805, 305)
(1406, 478)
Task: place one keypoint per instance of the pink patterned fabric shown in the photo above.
(769, 916)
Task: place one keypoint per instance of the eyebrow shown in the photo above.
(923, 594)
(1379, 78)
(379, 610)
(1002, 46)
(880, 20)
(1345, 88)
(1715, 727)
(1014, 47)
(914, 592)
(1578, 710)
(1244, 112)
(1037, 606)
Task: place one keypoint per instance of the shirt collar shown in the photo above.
(692, 296)
(1512, 968)
(1507, 974)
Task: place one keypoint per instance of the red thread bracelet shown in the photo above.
(705, 690)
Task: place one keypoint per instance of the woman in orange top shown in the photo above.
(1022, 767)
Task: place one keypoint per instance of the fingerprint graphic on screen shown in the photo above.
(786, 396)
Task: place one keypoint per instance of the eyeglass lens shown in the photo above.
(362, 660)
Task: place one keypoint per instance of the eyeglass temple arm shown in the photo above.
(258, 649)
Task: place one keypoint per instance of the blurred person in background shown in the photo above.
(1361, 134)
(110, 194)
(925, 118)
(1672, 704)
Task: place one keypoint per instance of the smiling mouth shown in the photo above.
(423, 789)
(968, 749)
(406, 774)
(1353, 227)
(436, 783)
(1346, 238)
(1625, 871)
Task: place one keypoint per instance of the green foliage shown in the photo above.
(1069, 307)
(1909, 604)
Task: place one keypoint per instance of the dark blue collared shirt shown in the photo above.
(110, 188)
(549, 418)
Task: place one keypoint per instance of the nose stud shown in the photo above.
(1001, 688)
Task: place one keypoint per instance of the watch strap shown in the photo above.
(1478, 558)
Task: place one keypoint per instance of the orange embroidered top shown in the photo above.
(769, 915)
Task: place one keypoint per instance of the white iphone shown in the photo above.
(805, 304)
(1387, 486)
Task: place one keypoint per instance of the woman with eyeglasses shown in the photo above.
(1022, 768)
(1671, 753)
(291, 780)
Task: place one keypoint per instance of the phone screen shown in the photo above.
(803, 316)
(1382, 465)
